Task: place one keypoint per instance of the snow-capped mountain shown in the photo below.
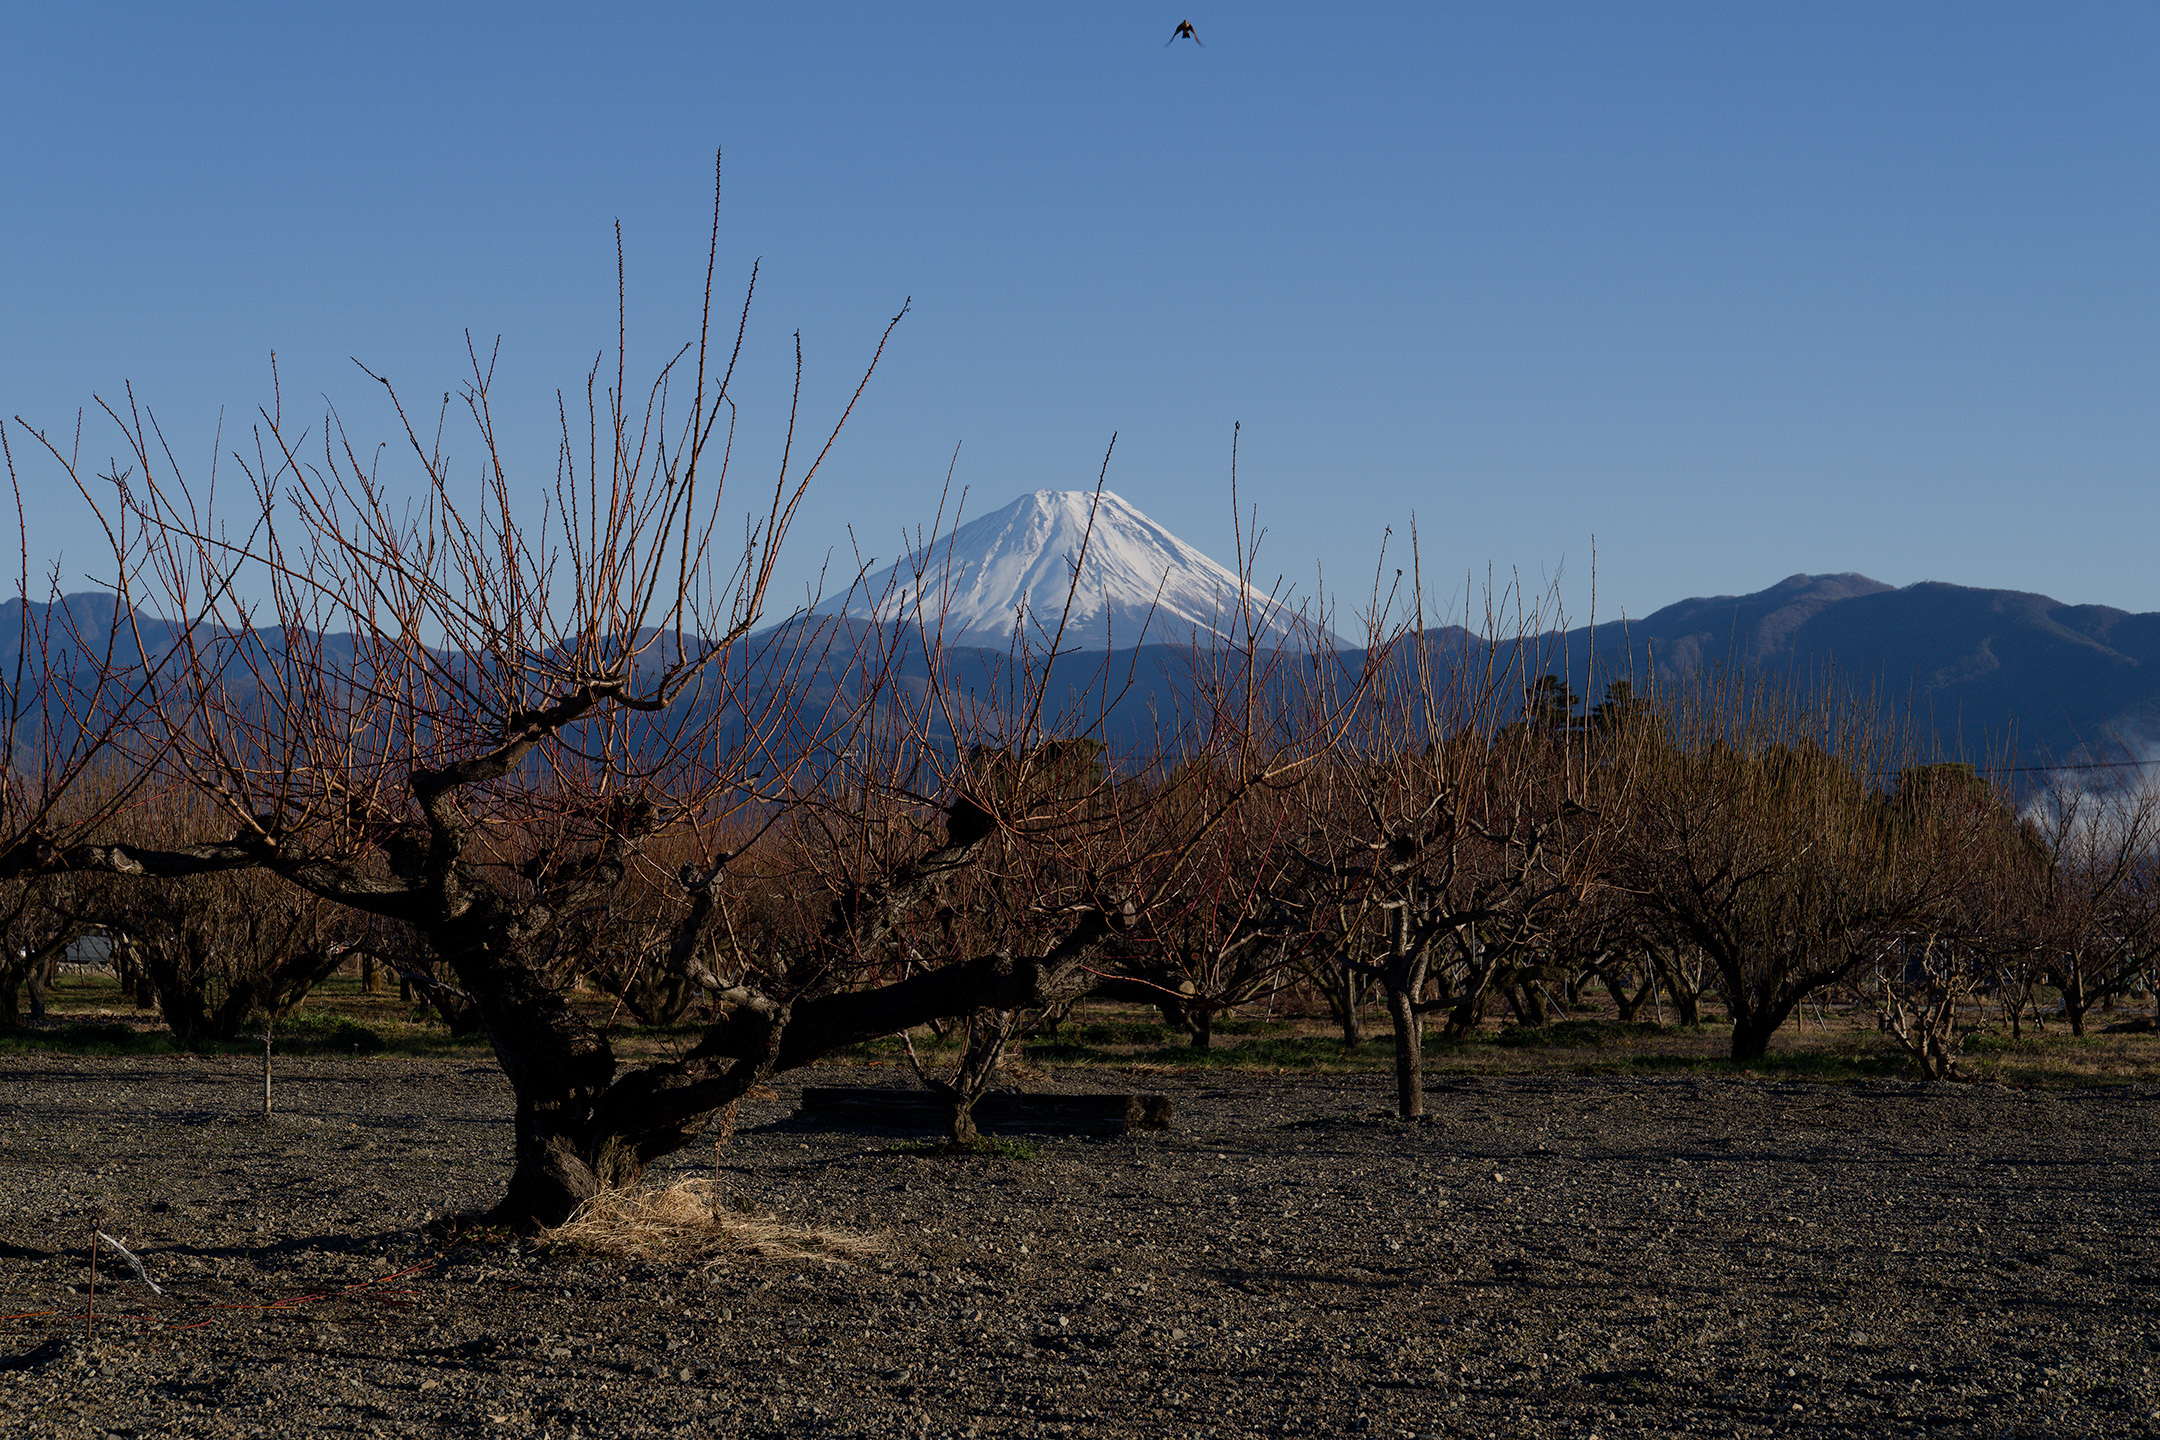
(1013, 567)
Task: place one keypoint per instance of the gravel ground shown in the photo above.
(1560, 1256)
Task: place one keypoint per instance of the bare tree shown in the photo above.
(1217, 934)
(1921, 987)
(1168, 855)
(1599, 942)
(481, 717)
(218, 950)
(78, 678)
(623, 943)
(1441, 847)
(985, 1037)
(1342, 989)
(1925, 982)
(1755, 836)
(470, 713)
(35, 931)
(2089, 902)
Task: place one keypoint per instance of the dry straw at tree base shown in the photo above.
(689, 1221)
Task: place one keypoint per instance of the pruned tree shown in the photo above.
(1165, 856)
(1440, 848)
(35, 932)
(485, 711)
(79, 680)
(985, 1037)
(1217, 934)
(623, 943)
(1342, 988)
(1755, 836)
(2088, 913)
(219, 950)
(1598, 942)
(1921, 986)
(469, 713)
(1925, 983)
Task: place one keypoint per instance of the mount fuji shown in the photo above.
(1011, 571)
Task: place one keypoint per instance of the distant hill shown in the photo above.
(1986, 673)
(1981, 669)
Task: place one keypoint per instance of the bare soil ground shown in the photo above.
(1553, 1254)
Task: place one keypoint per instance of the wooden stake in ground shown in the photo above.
(727, 1131)
(266, 1069)
(90, 1312)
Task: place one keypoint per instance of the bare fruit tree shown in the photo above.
(1754, 835)
(214, 951)
(482, 711)
(1925, 982)
(1442, 847)
(465, 702)
(2090, 905)
(35, 931)
(79, 681)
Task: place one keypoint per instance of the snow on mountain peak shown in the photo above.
(1015, 563)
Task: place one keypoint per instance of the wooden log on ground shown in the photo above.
(872, 1107)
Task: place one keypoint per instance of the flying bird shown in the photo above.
(1185, 31)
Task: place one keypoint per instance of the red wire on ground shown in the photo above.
(288, 1302)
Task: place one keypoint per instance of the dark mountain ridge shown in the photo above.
(1990, 676)
(1985, 673)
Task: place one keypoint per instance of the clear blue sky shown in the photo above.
(1740, 290)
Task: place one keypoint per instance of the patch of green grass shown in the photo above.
(330, 1032)
(1576, 1033)
(110, 1038)
(418, 1039)
(1254, 1027)
(1062, 1054)
(1825, 1065)
(891, 1047)
(2057, 1059)
(1118, 1032)
(308, 1032)
(987, 1147)
(1307, 1052)
(1883, 1064)
(316, 1033)
(2041, 1042)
